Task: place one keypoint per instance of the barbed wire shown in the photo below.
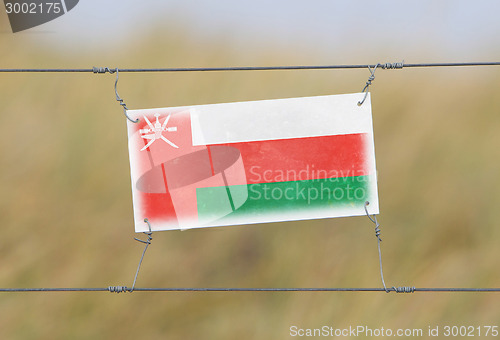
(120, 289)
(398, 65)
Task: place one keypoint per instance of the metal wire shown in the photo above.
(118, 98)
(120, 289)
(379, 239)
(123, 289)
(365, 90)
(246, 68)
(147, 242)
(173, 289)
(373, 218)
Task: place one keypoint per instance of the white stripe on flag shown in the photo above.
(275, 119)
(280, 119)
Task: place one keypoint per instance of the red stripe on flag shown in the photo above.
(306, 158)
(211, 161)
(160, 205)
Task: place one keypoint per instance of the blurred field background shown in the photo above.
(66, 211)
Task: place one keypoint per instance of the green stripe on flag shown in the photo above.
(283, 197)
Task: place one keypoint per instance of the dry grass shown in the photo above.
(66, 214)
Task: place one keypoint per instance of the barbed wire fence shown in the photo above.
(370, 67)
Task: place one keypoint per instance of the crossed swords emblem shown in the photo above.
(155, 132)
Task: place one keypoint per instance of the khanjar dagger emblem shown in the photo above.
(155, 132)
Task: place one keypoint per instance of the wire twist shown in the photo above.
(374, 220)
(389, 66)
(368, 83)
(385, 66)
(404, 289)
(102, 70)
(118, 289)
(120, 100)
(379, 239)
(122, 289)
(147, 242)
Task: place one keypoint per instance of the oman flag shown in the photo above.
(252, 162)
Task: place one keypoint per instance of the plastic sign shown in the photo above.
(252, 162)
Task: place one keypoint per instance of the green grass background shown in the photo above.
(66, 208)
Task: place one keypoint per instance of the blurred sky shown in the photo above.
(418, 30)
